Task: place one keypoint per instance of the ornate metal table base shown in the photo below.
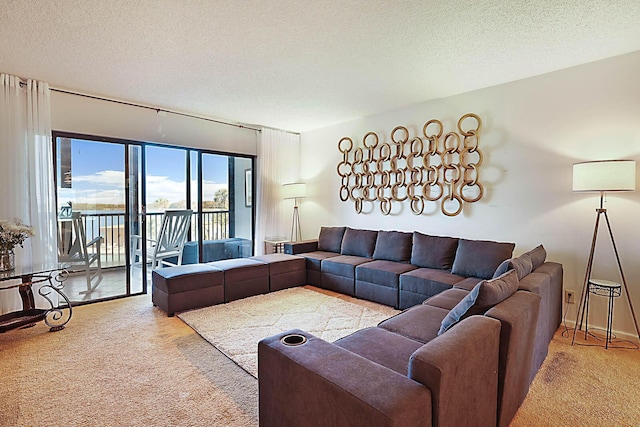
(55, 317)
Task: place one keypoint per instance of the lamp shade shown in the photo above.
(294, 190)
(605, 175)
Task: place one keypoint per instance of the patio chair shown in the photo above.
(169, 244)
(76, 254)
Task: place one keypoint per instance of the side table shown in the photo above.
(275, 245)
(56, 317)
(607, 289)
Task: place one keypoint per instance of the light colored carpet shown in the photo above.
(125, 363)
(121, 363)
(236, 327)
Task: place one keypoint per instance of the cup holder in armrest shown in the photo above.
(293, 340)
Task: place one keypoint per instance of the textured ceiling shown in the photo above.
(300, 65)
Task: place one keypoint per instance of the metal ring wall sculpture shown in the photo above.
(418, 170)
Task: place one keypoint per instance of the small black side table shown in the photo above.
(608, 289)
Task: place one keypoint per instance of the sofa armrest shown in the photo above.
(294, 248)
(320, 384)
(460, 368)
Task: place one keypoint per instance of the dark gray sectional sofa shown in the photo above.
(475, 331)
(396, 268)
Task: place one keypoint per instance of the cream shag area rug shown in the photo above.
(236, 327)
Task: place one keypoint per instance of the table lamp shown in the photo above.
(295, 191)
(603, 176)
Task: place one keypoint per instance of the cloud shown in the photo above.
(107, 187)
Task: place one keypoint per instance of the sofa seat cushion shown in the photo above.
(184, 278)
(393, 246)
(426, 280)
(314, 259)
(343, 265)
(239, 269)
(385, 273)
(447, 299)
(359, 243)
(433, 251)
(468, 283)
(420, 323)
(330, 239)
(480, 258)
(281, 263)
(382, 347)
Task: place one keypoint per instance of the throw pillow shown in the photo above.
(433, 251)
(538, 256)
(483, 296)
(480, 258)
(522, 265)
(460, 310)
(330, 239)
(393, 246)
(359, 242)
(496, 290)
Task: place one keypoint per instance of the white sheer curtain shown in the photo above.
(26, 171)
(278, 163)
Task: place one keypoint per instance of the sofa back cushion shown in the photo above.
(330, 239)
(522, 265)
(433, 251)
(538, 256)
(482, 297)
(393, 246)
(480, 258)
(359, 242)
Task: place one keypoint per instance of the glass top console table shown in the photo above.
(52, 279)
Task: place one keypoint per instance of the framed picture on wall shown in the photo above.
(248, 185)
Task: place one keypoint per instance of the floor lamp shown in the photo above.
(295, 191)
(603, 176)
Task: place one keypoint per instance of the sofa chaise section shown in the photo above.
(320, 383)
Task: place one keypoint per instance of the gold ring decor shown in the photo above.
(433, 135)
(344, 193)
(466, 116)
(428, 188)
(358, 156)
(341, 169)
(406, 135)
(456, 139)
(450, 198)
(419, 146)
(385, 206)
(385, 152)
(417, 205)
(469, 185)
(439, 166)
(341, 147)
(364, 140)
(358, 205)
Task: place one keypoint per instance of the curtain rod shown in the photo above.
(156, 109)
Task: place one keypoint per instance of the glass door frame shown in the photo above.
(127, 225)
(199, 232)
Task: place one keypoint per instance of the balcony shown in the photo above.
(111, 226)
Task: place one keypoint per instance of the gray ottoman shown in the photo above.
(285, 271)
(243, 277)
(186, 287)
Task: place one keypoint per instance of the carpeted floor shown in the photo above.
(236, 327)
(124, 363)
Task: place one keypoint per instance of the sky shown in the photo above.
(98, 173)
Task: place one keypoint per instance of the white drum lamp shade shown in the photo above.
(295, 190)
(605, 176)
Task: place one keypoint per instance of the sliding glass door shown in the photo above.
(120, 193)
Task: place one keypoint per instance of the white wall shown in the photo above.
(533, 131)
(72, 113)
